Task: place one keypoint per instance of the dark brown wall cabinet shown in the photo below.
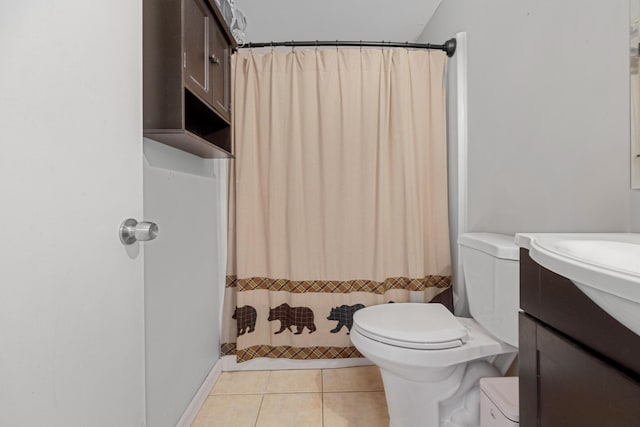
(579, 367)
(186, 49)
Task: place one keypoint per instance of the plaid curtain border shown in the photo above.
(404, 283)
(297, 353)
(228, 349)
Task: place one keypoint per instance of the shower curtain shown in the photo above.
(338, 195)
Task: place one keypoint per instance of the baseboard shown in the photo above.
(264, 364)
(201, 395)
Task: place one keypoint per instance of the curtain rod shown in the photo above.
(449, 46)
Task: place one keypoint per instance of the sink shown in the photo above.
(621, 256)
(605, 266)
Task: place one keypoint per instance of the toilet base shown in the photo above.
(453, 401)
(416, 404)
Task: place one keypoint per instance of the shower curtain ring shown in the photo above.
(316, 45)
(271, 43)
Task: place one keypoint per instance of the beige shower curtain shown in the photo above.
(338, 195)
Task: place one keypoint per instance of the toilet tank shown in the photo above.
(490, 264)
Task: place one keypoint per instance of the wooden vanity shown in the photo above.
(579, 367)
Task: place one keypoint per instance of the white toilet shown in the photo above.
(430, 360)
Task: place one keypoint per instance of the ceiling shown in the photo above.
(371, 20)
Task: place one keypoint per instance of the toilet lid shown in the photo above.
(411, 325)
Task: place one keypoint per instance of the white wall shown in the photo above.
(184, 274)
(280, 20)
(635, 211)
(71, 295)
(548, 113)
(635, 195)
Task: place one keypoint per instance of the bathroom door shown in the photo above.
(71, 295)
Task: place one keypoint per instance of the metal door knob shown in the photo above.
(214, 59)
(132, 231)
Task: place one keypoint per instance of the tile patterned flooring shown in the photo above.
(345, 397)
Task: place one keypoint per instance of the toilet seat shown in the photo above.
(480, 344)
(411, 326)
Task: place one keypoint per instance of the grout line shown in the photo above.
(259, 410)
(266, 384)
(322, 409)
(322, 397)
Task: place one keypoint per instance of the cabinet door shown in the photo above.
(219, 59)
(197, 26)
(573, 387)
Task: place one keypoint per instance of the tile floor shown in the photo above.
(345, 397)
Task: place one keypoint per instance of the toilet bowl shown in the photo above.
(430, 360)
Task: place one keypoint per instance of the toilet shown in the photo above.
(431, 361)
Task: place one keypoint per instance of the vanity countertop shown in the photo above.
(524, 240)
(605, 266)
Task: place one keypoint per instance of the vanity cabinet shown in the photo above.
(186, 76)
(578, 366)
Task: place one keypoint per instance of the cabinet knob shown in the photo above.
(214, 59)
